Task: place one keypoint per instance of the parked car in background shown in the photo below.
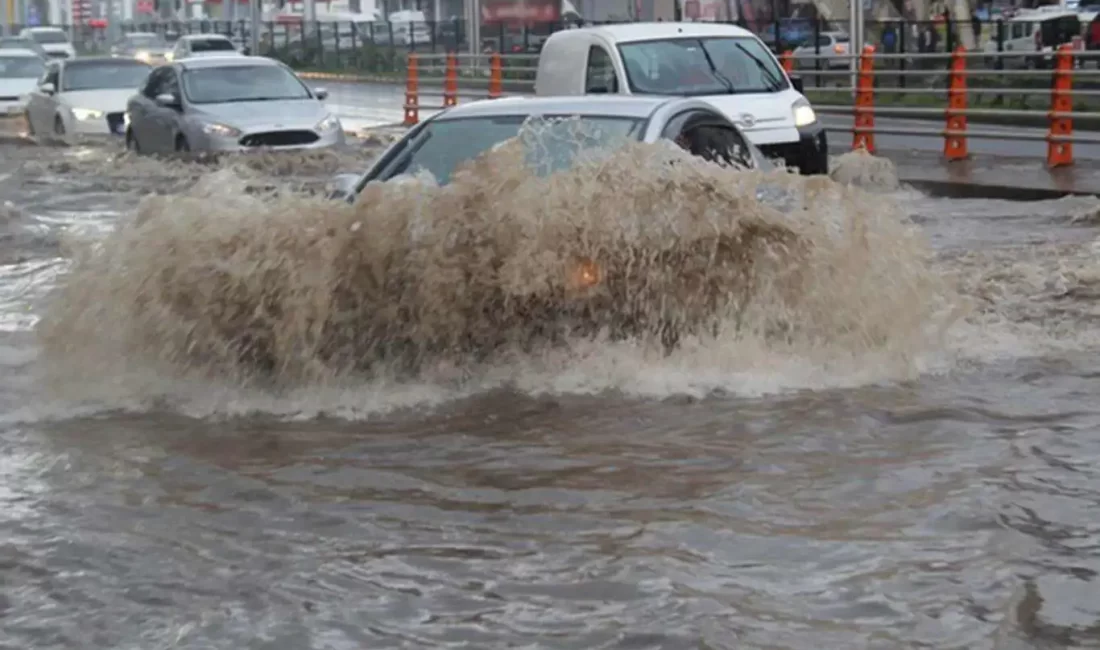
(84, 96)
(830, 48)
(53, 40)
(143, 46)
(198, 45)
(22, 43)
(20, 71)
(229, 103)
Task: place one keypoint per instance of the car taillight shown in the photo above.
(839, 49)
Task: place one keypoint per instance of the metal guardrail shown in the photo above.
(488, 76)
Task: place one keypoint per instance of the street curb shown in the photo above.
(965, 190)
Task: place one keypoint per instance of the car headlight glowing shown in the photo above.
(803, 114)
(85, 114)
(328, 124)
(142, 56)
(222, 130)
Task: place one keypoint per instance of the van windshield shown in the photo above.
(552, 142)
(701, 66)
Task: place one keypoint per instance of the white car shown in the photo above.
(193, 45)
(84, 96)
(724, 65)
(20, 71)
(52, 39)
(830, 48)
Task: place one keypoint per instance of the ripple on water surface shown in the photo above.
(577, 495)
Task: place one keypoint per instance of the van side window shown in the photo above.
(600, 74)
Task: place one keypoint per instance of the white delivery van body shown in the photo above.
(725, 65)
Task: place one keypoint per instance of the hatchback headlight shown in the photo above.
(803, 113)
(223, 130)
(328, 124)
(84, 114)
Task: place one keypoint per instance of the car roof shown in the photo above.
(625, 105)
(203, 37)
(629, 32)
(19, 53)
(78, 62)
(229, 60)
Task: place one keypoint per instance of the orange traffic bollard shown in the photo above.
(1059, 149)
(412, 97)
(863, 134)
(954, 142)
(494, 76)
(787, 59)
(450, 81)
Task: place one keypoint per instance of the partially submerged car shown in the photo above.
(443, 141)
(727, 66)
(83, 96)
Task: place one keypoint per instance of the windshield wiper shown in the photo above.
(775, 84)
(714, 70)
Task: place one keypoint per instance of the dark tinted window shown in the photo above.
(212, 45)
(443, 145)
(118, 73)
(51, 36)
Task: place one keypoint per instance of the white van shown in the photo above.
(727, 66)
(1039, 31)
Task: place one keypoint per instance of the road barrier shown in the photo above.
(951, 77)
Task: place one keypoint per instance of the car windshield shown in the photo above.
(50, 36)
(242, 83)
(101, 75)
(144, 40)
(552, 145)
(21, 67)
(211, 45)
(19, 44)
(701, 66)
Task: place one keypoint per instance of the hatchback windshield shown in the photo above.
(50, 36)
(101, 75)
(443, 145)
(212, 45)
(242, 83)
(21, 67)
(701, 66)
(144, 40)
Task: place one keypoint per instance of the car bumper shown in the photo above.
(215, 143)
(12, 109)
(810, 153)
(95, 126)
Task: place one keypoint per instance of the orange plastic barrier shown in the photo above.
(954, 143)
(450, 81)
(412, 97)
(1060, 152)
(787, 59)
(495, 76)
(863, 136)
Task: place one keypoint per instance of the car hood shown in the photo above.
(767, 110)
(288, 113)
(57, 47)
(109, 101)
(16, 87)
(199, 55)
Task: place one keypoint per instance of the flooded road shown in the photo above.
(940, 497)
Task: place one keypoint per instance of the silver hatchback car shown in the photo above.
(222, 104)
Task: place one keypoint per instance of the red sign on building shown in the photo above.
(520, 11)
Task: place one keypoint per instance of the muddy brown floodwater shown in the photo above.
(900, 450)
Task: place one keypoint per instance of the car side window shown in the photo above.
(600, 74)
(171, 84)
(155, 83)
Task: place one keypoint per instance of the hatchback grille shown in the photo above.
(58, 55)
(279, 139)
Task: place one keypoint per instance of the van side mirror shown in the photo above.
(796, 82)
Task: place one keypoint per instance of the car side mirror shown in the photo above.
(167, 100)
(796, 82)
(47, 88)
(321, 93)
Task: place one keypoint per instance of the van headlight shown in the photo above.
(85, 114)
(803, 113)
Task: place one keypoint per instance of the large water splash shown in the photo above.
(702, 271)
